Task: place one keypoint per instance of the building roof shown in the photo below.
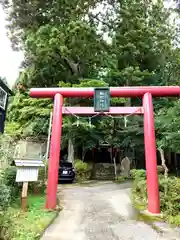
(5, 87)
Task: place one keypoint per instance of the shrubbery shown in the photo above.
(10, 191)
(5, 223)
(5, 197)
(5, 220)
(139, 185)
(83, 170)
(8, 178)
(169, 189)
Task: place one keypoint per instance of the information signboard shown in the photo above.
(27, 170)
(101, 99)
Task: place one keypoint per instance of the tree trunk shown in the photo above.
(84, 151)
(128, 103)
(169, 158)
(163, 162)
(70, 151)
(115, 168)
(111, 154)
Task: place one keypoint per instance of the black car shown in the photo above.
(66, 172)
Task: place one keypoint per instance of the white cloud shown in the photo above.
(9, 60)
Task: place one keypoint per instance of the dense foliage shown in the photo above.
(76, 43)
(6, 197)
(92, 43)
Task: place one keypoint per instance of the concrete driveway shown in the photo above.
(102, 211)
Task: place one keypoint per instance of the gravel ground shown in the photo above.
(102, 211)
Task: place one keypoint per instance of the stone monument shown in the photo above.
(125, 167)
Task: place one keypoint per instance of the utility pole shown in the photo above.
(49, 136)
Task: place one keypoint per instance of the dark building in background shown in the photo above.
(4, 95)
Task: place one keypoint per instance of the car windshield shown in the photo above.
(66, 164)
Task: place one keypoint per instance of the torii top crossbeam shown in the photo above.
(156, 91)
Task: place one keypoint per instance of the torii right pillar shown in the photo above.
(150, 155)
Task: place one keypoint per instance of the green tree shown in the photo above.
(142, 42)
(65, 44)
(28, 116)
(27, 17)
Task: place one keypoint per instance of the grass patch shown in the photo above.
(30, 225)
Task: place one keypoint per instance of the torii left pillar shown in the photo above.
(54, 152)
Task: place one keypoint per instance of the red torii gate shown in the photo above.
(149, 133)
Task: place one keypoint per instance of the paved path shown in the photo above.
(101, 211)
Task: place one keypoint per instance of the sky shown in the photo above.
(10, 60)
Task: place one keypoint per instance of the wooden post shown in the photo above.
(49, 137)
(24, 196)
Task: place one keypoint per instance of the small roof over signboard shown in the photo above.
(28, 163)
